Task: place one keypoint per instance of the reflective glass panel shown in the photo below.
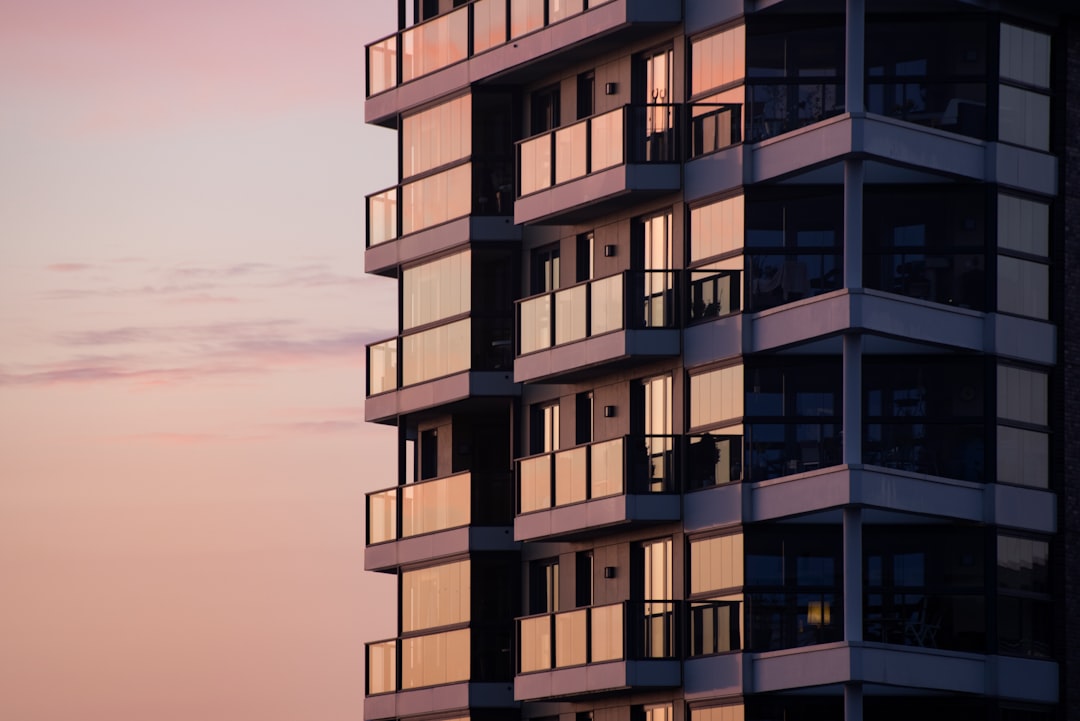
(1023, 457)
(607, 140)
(435, 596)
(1023, 564)
(571, 157)
(719, 713)
(436, 136)
(535, 164)
(382, 367)
(716, 396)
(606, 304)
(526, 16)
(1025, 56)
(436, 199)
(382, 65)
(561, 9)
(382, 217)
(1023, 287)
(607, 468)
(535, 644)
(1023, 225)
(439, 42)
(436, 659)
(1022, 395)
(570, 314)
(382, 667)
(435, 353)
(570, 638)
(717, 60)
(382, 516)
(716, 563)
(436, 290)
(535, 488)
(570, 480)
(489, 24)
(607, 633)
(716, 228)
(535, 323)
(435, 505)
(1024, 117)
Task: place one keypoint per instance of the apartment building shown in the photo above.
(736, 345)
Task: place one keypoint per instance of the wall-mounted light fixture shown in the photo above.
(609, 251)
(610, 88)
(609, 411)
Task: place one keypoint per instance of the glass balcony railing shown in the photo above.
(911, 617)
(713, 459)
(459, 34)
(417, 204)
(425, 507)
(784, 449)
(957, 107)
(775, 108)
(713, 126)
(596, 307)
(631, 464)
(630, 134)
(785, 619)
(438, 505)
(950, 450)
(595, 634)
(429, 660)
(462, 345)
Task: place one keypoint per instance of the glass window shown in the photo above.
(716, 563)
(734, 712)
(716, 228)
(717, 60)
(489, 24)
(1023, 287)
(438, 352)
(435, 44)
(561, 9)
(1023, 564)
(1025, 56)
(436, 290)
(436, 199)
(1024, 117)
(436, 136)
(526, 16)
(436, 596)
(1022, 395)
(1023, 457)
(1023, 225)
(716, 396)
(435, 659)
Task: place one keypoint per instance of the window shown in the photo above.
(1023, 444)
(1023, 285)
(716, 563)
(545, 266)
(716, 396)
(716, 228)
(717, 60)
(544, 586)
(584, 260)
(1023, 96)
(436, 596)
(436, 137)
(545, 428)
(586, 93)
(436, 290)
(793, 244)
(583, 417)
(583, 581)
(545, 110)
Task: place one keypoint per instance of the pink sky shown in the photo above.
(183, 310)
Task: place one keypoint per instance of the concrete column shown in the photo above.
(852, 399)
(855, 58)
(853, 585)
(853, 223)
(853, 702)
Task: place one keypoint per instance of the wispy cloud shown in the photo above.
(68, 267)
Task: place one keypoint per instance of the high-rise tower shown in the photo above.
(736, 344)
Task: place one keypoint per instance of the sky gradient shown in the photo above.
(183, 311)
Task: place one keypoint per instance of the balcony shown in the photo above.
(598, 649)
(447, 364)
(623, 481)
(564, 333)
(436, 518)
(514, 41)
(592, 166)
(431, 673)
(472, 201)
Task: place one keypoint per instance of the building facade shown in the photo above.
(736, 343)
